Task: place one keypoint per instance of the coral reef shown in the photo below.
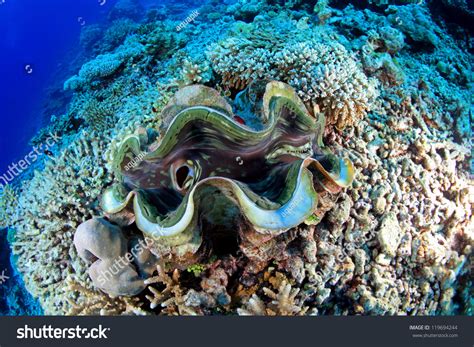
(394, 82)
(14, 298)
(65, 185)
(118, 32)
(103, 66)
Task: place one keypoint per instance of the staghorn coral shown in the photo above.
(285, 300)
(172, 298)
(283, 303)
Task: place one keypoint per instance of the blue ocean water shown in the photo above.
(39, 43)
(35, 38)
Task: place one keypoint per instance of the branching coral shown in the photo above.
(97, 115)
(83, 300)
(172, 299)
(194, 73)
(333, 81)
(286, 301)
(64, 194)
(53, 203)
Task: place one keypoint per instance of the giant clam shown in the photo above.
(254, 171)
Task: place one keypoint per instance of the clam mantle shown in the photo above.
(270, 174)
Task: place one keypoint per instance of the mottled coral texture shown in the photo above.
(322, 70)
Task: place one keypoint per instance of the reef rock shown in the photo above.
(390, 234)
(104, 245)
